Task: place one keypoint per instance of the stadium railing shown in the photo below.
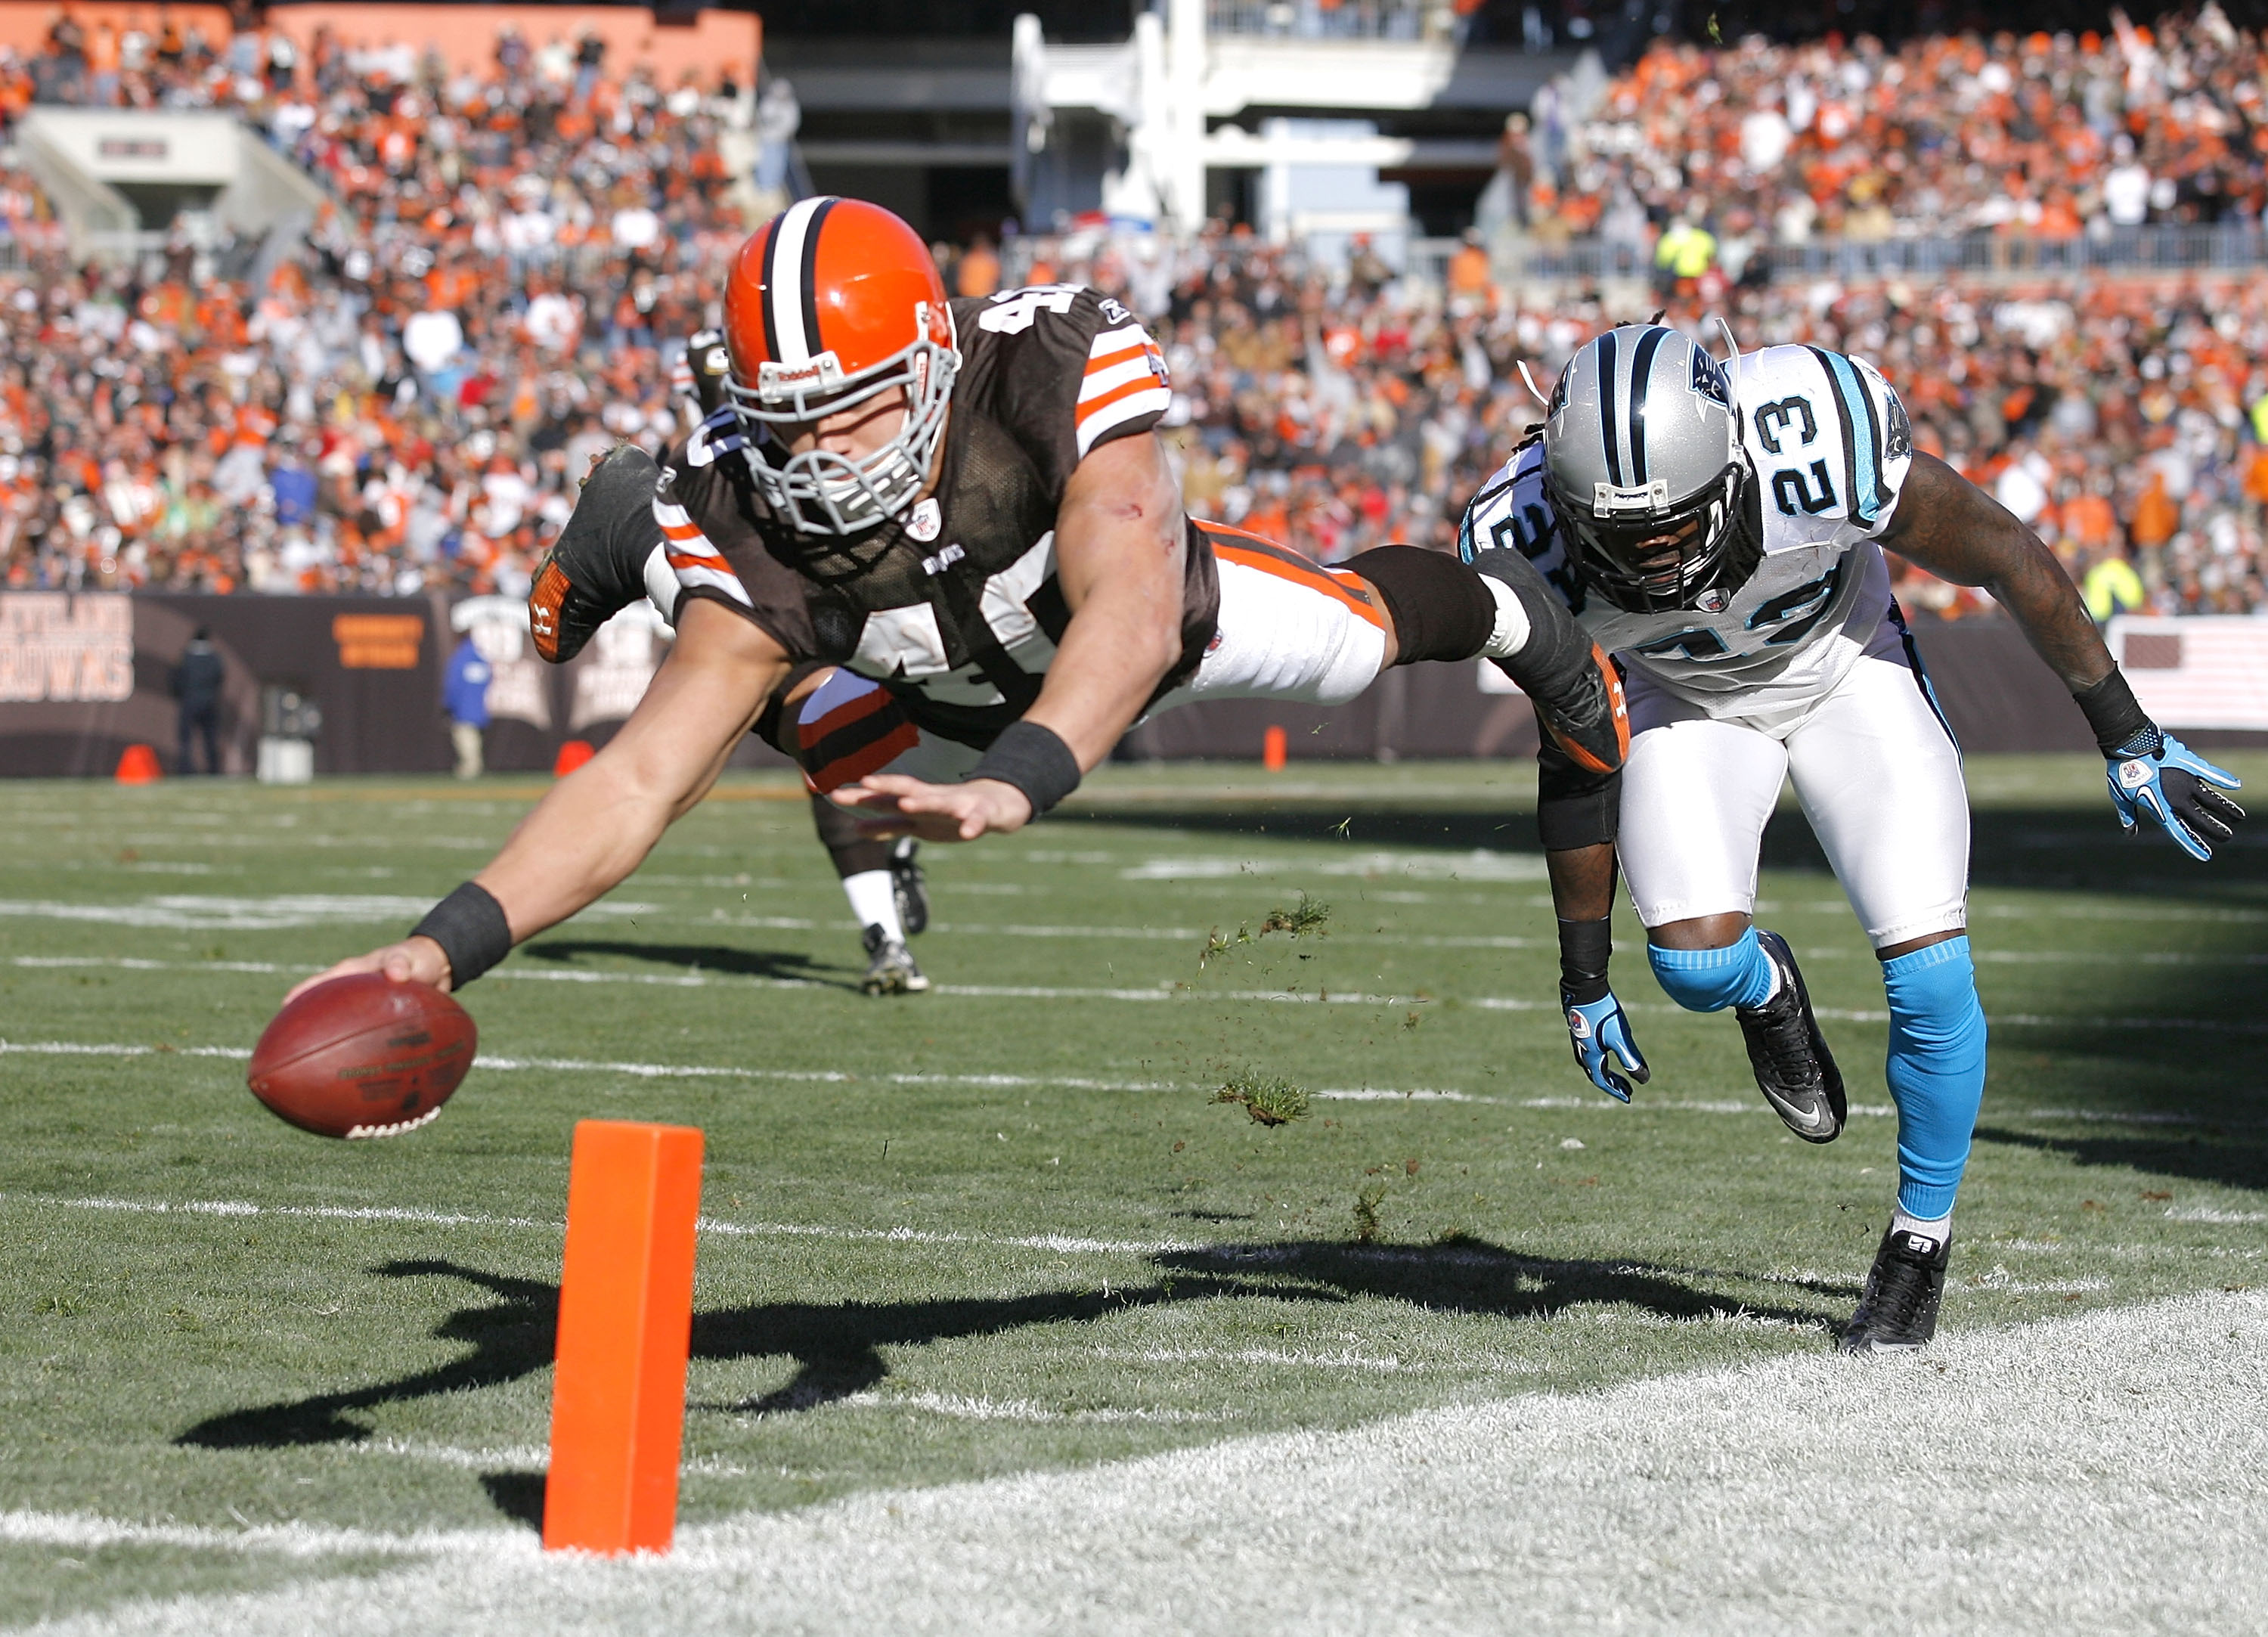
(2167, 248)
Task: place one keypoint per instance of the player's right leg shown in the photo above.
(1880, 778)
(1696, 794)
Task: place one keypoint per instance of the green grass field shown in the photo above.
(1003, 1227)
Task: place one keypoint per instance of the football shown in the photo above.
(363, 1056)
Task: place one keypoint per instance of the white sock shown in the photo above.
(1940, 1229)
(1510, 633)
(873, 903)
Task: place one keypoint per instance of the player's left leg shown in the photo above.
(1879, 775)
(846, 727)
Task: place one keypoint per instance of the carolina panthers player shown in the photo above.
(1720, 530)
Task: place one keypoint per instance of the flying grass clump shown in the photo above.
(1365, 1212)
(1307, 918)
(1268, 1099)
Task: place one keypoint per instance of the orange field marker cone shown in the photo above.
(572, 755)
(625, 1333)
(1275, 750)
(139, 766)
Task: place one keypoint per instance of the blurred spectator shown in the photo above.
(196, 684)
(465, 695)
(979, 270)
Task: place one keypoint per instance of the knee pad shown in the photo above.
(1439, 608)
(1935, 1070)
(1710, 980)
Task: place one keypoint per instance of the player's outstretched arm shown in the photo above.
(596, 825)
(1957, 532)
(1577, 812)
(1119, 545)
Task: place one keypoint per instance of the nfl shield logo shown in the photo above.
(1715, 601)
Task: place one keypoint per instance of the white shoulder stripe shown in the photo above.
(1112, 376)
(1125, 335)
(1133, 406)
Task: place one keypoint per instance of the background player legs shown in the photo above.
(888, 897)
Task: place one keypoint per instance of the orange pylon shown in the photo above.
(139, 766)
(625, 1333)
(1275, 750)
(572, 755)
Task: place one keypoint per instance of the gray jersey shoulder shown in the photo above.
(1829, 443)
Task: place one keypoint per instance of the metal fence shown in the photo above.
(1347, 19)
(2228, 247)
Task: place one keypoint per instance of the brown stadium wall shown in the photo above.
(83, 677)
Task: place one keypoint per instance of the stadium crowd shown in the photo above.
(514, 256)
(2046, 136)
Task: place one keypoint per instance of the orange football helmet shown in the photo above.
(830, 304)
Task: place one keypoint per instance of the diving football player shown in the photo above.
(964, 507)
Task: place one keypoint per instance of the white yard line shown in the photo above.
(1072, 1082)
(81, 1532)
(1161, 993)
(2095, 1473)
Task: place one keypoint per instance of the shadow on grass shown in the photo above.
(2076, 849)
(837, 1348)
(781, 965)
(2206, 1157)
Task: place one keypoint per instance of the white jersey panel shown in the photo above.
(1829, 447)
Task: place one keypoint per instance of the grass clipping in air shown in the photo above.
(1309, 917)
(1269, 1099)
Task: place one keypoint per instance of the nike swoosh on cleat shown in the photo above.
(1810, 1120)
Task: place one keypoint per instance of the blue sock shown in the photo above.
(1710, 980)
(1936, 1071)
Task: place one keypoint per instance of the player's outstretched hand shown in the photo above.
(417, 960)
(1601, 1031)
(2179, 790)
(912, 807)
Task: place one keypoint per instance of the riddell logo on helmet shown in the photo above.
(779, 379)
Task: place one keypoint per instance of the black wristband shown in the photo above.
(1585, 948)
(1034, 760)
(2122, 726)
(470, 925)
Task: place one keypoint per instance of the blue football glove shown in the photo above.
(2175, 787)
(1599, 1029)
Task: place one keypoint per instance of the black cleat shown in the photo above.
(1794, 1070)
(1898, 1311)
(890, 970)
(597, 567)
(909, 887)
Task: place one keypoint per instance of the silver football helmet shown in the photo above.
(1643, 461)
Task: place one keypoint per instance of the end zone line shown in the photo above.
(84, 1531)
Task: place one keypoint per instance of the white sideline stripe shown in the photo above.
(955, 1407)
(1775, 1496)
(1313, 1360)
(1062, 1244)
(83, 1531)
(2207, 1213)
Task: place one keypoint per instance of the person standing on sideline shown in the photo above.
(465, 695)
(197, 686)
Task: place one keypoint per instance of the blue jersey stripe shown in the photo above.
(1859, 417)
